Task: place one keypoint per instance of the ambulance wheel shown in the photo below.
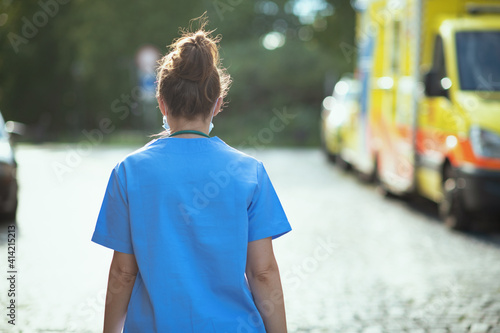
(370, 178)
(332, 158)
(384, 191)
(381, 187)
(329, 156)
(342, 164)
(10, 215)
(451, 208)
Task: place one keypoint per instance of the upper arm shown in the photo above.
(124, 263)
(260, 257)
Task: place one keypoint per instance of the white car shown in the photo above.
(336, 113)
(8, 172)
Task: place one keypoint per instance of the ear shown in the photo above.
(218, 106)
(162, 106)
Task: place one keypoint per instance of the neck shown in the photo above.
(189, 132)
(199, 125)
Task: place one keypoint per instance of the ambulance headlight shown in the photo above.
(485, 143)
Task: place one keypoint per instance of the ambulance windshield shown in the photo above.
(478, 54)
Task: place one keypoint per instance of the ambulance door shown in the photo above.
(405, 49)
(434, 113)
(396, 167)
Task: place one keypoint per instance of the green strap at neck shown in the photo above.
(189, 132)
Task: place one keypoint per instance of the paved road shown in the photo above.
(355, 262)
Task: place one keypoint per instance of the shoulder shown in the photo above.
(239, 158)
(144, 152)
(238, 154)
(137, 156)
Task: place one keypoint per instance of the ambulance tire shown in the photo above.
(451, 208)
(381, 188)
(329, 156)
(342, 164)
(364, 178)
(332, 158)
(368, 178)
(10, 215)
(385, 192)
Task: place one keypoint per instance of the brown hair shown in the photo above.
(190, 77)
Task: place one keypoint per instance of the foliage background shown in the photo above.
(64, 79)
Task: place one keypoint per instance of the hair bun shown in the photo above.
(194, 58)
(190, 78)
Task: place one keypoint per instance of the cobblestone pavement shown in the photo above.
(355, 262)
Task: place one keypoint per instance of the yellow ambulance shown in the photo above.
(429, 116)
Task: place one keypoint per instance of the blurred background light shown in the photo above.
(308, 10)
(385, 82)
(446, 83)
(267, 8)
(280, 25)
(305, 33)
(273, 40)
(341, 88)
(328, 102)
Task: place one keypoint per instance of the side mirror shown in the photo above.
(434, 85)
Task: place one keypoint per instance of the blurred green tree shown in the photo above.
(33, 64)
(79, 65)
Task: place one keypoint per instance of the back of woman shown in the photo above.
(190, 218)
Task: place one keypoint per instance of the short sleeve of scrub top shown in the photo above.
(266, 217)
(113, 227)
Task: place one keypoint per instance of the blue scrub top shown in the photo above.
(187, 208)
